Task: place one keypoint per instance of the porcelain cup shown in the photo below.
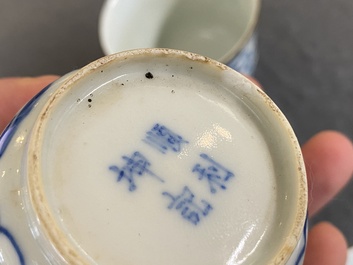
(223, 30)
(152, 156)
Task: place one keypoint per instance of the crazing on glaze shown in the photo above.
(213, 175)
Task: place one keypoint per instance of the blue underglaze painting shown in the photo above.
(11, 238)
(190, 206)
(5, 139)
(164, 139)
(215, 174)
(11, 129)
(135, 166)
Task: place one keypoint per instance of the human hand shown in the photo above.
(328, 158)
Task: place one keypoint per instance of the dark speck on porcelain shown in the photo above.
(149, 75)
(90, 100)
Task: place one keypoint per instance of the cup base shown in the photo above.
(159, 153)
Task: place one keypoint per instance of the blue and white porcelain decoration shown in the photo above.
(152, 156)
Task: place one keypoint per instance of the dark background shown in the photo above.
(306, 61)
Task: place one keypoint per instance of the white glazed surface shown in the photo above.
(219, 31)
(94, 122)
(350, 256)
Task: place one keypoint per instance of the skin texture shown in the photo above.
(328, 158)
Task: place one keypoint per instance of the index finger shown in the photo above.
(328, 159)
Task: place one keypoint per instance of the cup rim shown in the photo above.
(246, 36)
(226, 58)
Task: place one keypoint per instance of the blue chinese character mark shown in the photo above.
(214, 173)
(189, 210)
(163, 139)
(135, 166)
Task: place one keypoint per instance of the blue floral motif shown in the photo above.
(11, 129)
(14, 244)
